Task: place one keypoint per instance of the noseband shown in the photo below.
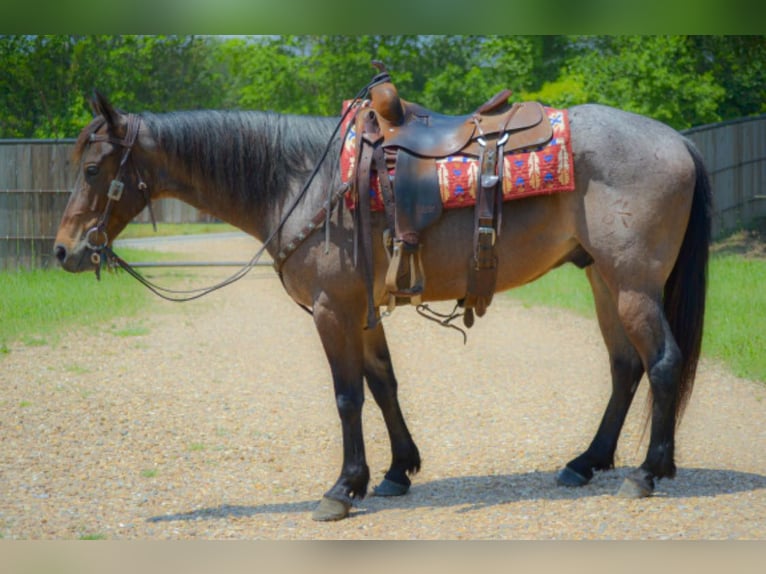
(114, 194)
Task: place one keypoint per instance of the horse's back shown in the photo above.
(626, 143)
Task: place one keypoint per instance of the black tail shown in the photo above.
(686, 289)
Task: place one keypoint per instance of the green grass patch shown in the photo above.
(566, 287)
(735, 317)
(76, 369)
(133, 330)
(140, 230)
(735, 314)
(93, 536)
(38, 305)
(149, 472)
(33, 341)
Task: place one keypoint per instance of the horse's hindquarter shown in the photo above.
(635, 178)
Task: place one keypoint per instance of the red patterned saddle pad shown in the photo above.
(540, 171)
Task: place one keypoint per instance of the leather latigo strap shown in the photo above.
(369, 138)
(482, 272)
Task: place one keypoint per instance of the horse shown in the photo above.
(638, 222)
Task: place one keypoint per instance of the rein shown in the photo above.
(115, 193)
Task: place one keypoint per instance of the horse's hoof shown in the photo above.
(390, 488)
(330, 509)
(571, 478)
(632, 488)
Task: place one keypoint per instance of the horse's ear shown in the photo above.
(101, 107)
(93, 103)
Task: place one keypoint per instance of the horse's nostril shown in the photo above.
(60, 252)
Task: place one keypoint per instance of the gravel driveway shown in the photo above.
(215, 419)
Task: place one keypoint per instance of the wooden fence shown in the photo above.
(36, 176)
(735, 156)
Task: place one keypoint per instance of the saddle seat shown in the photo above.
(425, 133)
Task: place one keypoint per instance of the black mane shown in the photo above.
(255, 155)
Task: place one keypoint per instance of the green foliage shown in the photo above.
(739, 65)
(657, 76)
(562, 93)
(48, 79)
(682, 80)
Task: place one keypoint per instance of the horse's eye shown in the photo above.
(91, 170)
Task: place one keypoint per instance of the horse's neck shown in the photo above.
(244, 173)
(222, 204)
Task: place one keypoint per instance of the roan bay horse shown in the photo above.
(638, 222)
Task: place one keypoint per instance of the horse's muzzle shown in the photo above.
(78, 260)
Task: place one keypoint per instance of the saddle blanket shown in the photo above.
(540, 171)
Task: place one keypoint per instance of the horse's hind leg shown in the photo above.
(627, 370)
(648, 328)
(379, 373)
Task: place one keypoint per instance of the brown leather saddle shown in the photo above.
(408, 138)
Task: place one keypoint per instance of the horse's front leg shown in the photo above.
(379, 372)
(341, 335)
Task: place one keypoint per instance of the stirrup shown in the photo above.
(404, 253)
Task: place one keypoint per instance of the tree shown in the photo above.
(657, 76)
(738, 64)
(47, 79)
(683, 80)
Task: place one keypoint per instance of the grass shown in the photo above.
(565, 287)
(140, 230)
(734, 318)
(93, 536)
(38, 306)
(132, 330)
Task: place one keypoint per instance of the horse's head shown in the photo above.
(110, 188)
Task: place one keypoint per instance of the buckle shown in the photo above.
(487, 232)
(115, 190)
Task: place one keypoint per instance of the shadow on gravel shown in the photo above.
(475, 492)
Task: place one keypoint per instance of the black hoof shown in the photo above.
(570, 478)
(390, 488)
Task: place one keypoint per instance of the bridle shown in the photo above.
(116, 187)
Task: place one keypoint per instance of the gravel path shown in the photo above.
(215, 419)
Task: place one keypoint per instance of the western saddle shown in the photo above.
(408, 138)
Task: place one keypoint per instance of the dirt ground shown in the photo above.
(215, 419)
